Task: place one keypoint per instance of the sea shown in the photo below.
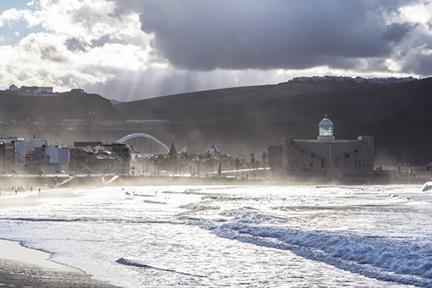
(235, 236)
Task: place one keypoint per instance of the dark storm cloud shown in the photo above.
(295, 34)
(396, 32)
(419, 62)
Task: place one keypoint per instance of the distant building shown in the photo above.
(35, 91)
(18, 145)
(123, 153)
(324, 156)
(77, 91)
(34, 160)
(43, 157)
(84, 144)
(90, 160)
(31, 90)
(13, 87)
(98, 158)
(33, 156)
(7, 157)
(212, 151)
(57, 157)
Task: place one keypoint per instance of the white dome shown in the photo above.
(326, 122)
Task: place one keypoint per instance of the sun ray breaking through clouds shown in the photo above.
(132, 49)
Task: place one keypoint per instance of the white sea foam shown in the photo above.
(384, 259)
(170, 239)
(140, 264)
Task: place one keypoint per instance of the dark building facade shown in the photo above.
(324, 156)
(7, 157)
(100, 159)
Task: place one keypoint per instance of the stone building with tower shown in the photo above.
(325, 156)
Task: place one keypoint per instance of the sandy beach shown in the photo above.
(25, 267)
(17, 274)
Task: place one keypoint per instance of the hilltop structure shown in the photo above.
(38, 90)
(324, 156)
(31, 90)
(357, 80)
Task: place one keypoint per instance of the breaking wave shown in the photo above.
(381, 258)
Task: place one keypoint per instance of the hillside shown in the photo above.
(68, 105)
(397, 114)
(242, 120)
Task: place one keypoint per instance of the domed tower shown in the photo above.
(326, 129)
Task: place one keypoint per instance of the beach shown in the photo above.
(17, 274)
(219, 236)
(25, 267)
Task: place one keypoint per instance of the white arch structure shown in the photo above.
(143, 135)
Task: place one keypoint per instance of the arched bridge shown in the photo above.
(143, 143)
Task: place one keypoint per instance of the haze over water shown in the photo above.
(293, 236)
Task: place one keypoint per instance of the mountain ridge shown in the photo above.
(246, 119)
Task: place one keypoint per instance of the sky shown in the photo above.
(135, 49)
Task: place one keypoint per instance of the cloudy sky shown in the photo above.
(132, 49)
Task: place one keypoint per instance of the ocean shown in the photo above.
(236, 236)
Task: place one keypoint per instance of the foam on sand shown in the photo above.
(140, 264)
(10, 250)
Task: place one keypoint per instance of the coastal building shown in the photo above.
(212, 151)
(34, 160)
(124, 156)
(43, 157)
(90, 160)
(9, 162)
(56, 157)
(7, 157)
(325, 156)
(31, 156)
(97, 158)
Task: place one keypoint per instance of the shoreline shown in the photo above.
(35, 183)
(18, 252)
(21, 266)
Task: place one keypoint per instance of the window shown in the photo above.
(325, 131)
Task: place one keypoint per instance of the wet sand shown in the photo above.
(17, 274)
(10, 199)
(29, 268)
